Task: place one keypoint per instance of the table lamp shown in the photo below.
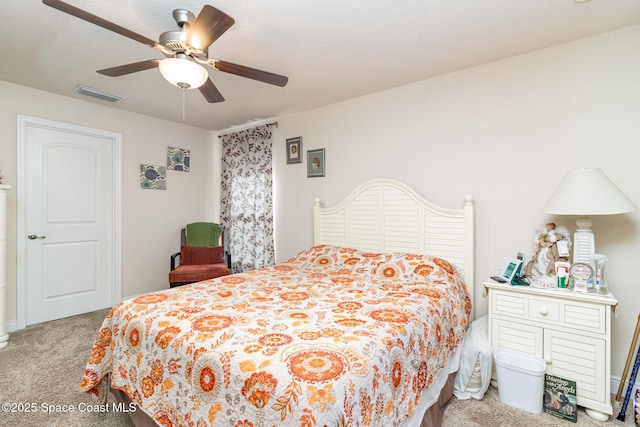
(587, 192)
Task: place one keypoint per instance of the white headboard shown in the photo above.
(384, 215)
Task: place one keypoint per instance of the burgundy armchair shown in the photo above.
(198, 263)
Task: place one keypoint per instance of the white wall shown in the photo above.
(505, 132)
(151, 220)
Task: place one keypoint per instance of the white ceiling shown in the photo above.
(331, 50)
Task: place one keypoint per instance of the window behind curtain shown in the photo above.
(247, 198)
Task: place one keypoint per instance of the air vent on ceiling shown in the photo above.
(89, 91)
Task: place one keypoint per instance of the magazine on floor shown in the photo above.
(560, 398)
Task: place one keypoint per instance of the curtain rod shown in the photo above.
(249, 127)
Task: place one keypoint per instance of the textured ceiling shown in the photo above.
(331, 50)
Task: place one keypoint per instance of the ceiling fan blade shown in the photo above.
(210, 24)
(130, 68)
(101, 22)
(250, 73)
(211, 92)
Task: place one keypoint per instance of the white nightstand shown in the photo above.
(570, 330)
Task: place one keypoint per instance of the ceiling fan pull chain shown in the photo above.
(183, 106)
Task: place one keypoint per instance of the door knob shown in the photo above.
(35, 236)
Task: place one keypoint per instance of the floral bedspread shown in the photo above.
(334, 337)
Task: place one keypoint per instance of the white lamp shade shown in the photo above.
(588, 192)
(183, 73)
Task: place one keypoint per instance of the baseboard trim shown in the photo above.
(11, 325)
(615, 383)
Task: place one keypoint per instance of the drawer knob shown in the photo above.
(544, 311)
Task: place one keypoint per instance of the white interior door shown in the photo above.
(68, 234)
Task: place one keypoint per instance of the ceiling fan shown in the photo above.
(186, 50)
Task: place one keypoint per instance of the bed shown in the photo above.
(362, 329)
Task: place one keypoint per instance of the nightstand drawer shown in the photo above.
(586, 317)
(508, 304)
(551, 310)
(544, 309)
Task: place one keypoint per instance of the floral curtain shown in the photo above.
(247, 198)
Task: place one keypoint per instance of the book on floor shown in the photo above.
(560, 398)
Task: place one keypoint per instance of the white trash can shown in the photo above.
(520, 379)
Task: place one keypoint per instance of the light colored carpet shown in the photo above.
(42, 365)
(491, 412)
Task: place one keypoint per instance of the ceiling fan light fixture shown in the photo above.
(183, 73)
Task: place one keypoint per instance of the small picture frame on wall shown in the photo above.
(294, 150)
(315, 163)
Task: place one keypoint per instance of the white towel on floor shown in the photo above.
(476, 362)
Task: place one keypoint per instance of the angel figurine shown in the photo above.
(544, 259)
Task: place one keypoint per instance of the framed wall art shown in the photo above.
(294, 150)
(178, 159)
(153, 177)
(315, 163)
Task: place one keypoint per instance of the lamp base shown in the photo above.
(584, 241)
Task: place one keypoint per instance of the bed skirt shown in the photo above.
(432, 418)
(434, 415)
